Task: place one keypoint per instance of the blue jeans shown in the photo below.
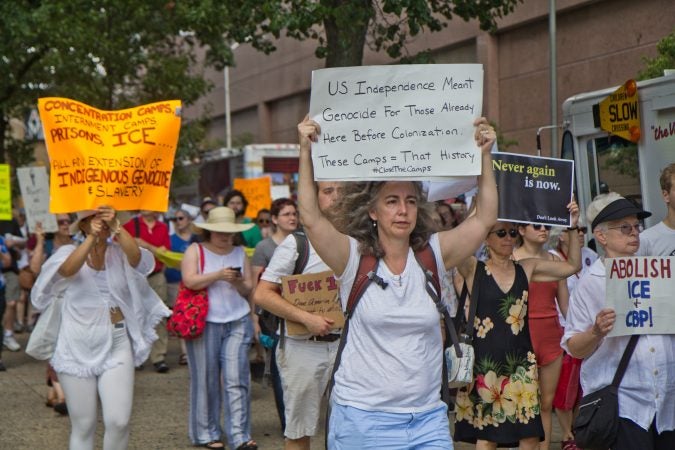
(354, 429)
(220, 358)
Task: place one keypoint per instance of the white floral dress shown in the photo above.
(502, 404)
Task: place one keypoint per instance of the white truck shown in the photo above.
(630, 165)
(217, 169)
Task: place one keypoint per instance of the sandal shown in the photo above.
(250, 445)
(216, 445)
(569, 444)
(182, 360)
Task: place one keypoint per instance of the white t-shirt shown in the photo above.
(282, 264)
(393, 358)
(658, 240)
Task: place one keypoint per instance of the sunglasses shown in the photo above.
(627, 228)
(180, 219)
(264, 221)
(63, 222)
(502, 233)
(541, 227)
(583, 229)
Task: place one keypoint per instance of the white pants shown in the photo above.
(115, 387)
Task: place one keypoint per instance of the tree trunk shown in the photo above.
(346, 30)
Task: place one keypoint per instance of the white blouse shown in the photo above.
(84, 343)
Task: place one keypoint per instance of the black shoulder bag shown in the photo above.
(597, 423)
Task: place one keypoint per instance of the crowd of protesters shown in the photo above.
(540, 330)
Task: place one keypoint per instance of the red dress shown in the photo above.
(545, 329)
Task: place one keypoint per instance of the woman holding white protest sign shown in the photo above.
(646, 393)
(387, 386)
(501, 407)
(108, 314)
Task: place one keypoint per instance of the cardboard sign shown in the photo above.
(620, 112)
(396, 122)
(533, 189)
(317, 293)
(257, 191)
(34, 186)
(5, 193)
(640, 290)
(119, 158)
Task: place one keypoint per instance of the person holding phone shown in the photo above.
(218, 359)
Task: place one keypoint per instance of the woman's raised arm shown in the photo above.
(331, 245)
(461, 242)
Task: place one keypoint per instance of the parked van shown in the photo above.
(621, 143)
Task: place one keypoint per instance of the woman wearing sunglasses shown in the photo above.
(545, 297)
(646, 393)
(501, 407)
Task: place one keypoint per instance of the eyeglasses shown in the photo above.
(63, 221)
(502, 233)
(627, 228)
(264, 221)
(540, 227)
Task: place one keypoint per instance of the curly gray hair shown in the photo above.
(352, 216)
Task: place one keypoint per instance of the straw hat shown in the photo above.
(221, 219)
(75, 226)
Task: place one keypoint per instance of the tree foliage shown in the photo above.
(342, 28)
(664, 60)
(110, 54)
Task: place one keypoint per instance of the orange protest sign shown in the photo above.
(258, 192)
(120, 158)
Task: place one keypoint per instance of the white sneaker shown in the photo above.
(11, 343)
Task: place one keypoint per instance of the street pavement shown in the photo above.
(159, 418)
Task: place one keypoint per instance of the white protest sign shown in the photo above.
(640, 290)
(34, 187)
(396, 122)
(280, 191)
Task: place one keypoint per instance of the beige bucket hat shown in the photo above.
(221, 219)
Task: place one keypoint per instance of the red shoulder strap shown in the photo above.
(201, 257)
(364, 274)
(427, 260)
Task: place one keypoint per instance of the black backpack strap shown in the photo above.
(459, 318)
(302, 244)
(623, 364)
(475, 291)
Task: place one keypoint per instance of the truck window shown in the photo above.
(616, 167)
